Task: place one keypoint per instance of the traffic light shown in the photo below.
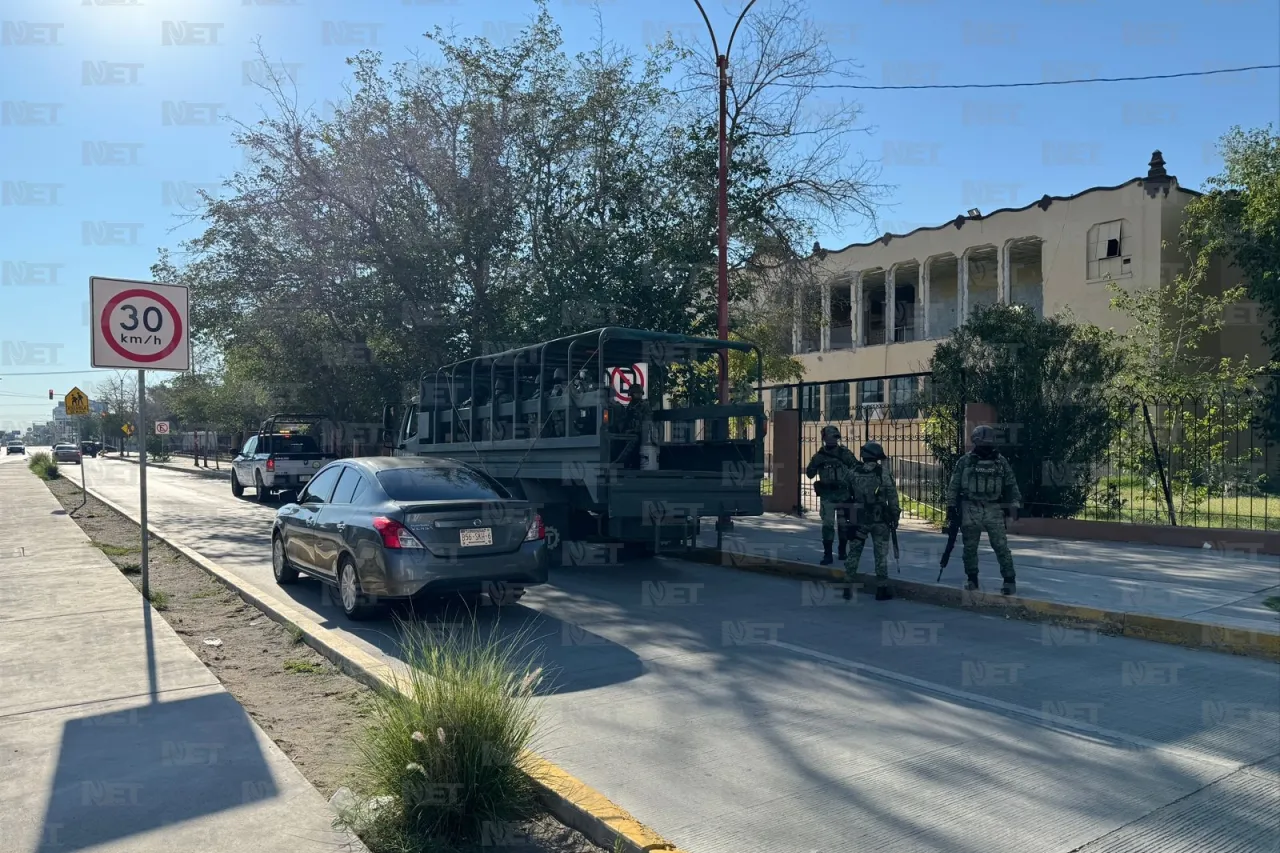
(50, 393)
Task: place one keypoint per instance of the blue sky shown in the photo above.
(123, 145)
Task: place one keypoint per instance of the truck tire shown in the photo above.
(237, 488)
(263, 493)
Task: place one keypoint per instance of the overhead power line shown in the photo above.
(1029, 84)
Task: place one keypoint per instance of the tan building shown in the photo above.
(888, 302)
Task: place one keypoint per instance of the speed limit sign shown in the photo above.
(139, 324)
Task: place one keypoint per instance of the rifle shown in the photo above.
(893, 531)
(953, 529)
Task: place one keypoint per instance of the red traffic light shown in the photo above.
(50, 393)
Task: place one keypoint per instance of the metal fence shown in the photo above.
(1188, 462)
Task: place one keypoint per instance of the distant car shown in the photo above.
(409, 527)
(66, 453)
(90, 448)
(16, 447)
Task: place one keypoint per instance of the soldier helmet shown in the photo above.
(984, 436)
(558, 375)
(830, 431)
(873, 450)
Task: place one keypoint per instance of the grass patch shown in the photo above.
(42, 465)
(1273, 602)
(208, 592)
(445, 748)
(295, 633)
(130, 568)
(303, 667)
(116, 550)
(159, 600)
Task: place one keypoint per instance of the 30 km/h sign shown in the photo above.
(139, 324)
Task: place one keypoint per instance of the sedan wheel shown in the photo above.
(353, 600)
(285, 573)
(505, 594)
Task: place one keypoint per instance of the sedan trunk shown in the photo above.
(461, 529)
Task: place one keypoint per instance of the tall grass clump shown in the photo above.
(43, 466)
(442, 755)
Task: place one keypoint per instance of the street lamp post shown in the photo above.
(722, 66)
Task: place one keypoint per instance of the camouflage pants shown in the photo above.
(828, 511)
(990, 518)
(879, 534)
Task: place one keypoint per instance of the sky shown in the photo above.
(115, 112)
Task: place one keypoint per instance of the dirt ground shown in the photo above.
(308, 707)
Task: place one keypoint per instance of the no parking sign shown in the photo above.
(623, 377)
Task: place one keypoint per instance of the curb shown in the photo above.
(165, 466)
(571, 801)
(1142, 626)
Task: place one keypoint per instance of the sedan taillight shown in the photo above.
(536, 530)
(394, 534)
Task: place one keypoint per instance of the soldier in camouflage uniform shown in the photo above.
(829, 465)
(495, 425)
(873, 505)
(633, 421)
(557, 390)
(984, 490)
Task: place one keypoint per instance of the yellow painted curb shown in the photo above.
(574, 803)
(1159, 629)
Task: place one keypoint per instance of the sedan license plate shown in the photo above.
(304, 477)
(479, 536)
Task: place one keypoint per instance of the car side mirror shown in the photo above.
(289, 496)
(388, 437)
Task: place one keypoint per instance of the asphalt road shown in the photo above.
(734, 711)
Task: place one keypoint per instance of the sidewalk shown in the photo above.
(178, 463)
(1206, 586)
(113, 734)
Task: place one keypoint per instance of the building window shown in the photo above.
(903, 403)
(838, 401)
(871, 398)
(1109, 250)
(782, 398)
(810, 402)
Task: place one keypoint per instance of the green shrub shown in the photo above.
(43, 466)
(444, 750)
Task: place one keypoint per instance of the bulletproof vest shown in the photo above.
(866, 484)
(830, 469)
(984, 479)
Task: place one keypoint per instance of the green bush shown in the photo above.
(443, 752)
(156, 450)
(43, 466)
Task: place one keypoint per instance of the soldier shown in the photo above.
(557, 391)
(830, 464)
(984, 481)
(632, 421)
(496, 424)
(873, 502)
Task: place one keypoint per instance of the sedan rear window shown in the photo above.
(439, 484)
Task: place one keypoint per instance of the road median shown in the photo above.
(1161, 629)
(570, 800)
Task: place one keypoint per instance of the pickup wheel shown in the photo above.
(237, 488)
(263, 493)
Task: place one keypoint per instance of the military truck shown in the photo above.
(543, 421)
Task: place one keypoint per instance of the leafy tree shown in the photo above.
(1237, 220)
(1048, 379)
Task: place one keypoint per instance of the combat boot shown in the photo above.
(971, 583)
(826, 552)
(883, 592)
(1009, 588)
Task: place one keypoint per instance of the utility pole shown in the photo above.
(722, 66)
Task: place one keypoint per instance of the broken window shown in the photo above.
(810, 319)
(944, 295)
(873, 308)
(842, 313)
(984, 278)
(906, 289)
(1109, 250)
(1026, 274)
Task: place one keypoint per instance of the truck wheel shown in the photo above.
(263, 494)
(237, 489)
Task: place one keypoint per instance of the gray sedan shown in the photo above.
(403, 527)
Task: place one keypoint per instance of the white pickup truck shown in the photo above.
(276, 459)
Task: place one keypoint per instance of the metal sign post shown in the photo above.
(143, 325)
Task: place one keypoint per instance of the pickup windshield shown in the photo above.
(292, 444)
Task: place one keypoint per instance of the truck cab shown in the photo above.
(549, 422)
